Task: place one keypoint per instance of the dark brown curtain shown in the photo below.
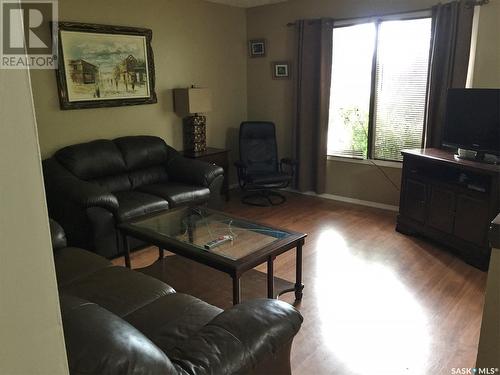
(452, 29)
(313, 64)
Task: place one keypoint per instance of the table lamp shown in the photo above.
(189, 103)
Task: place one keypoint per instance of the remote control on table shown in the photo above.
(218, 241)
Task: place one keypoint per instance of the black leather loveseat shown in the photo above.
(91, 187)
(118, 321)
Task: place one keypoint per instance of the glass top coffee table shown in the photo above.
(190, 232)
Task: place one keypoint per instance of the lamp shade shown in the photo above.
(192, 100)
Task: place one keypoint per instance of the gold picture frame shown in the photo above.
(104, 66)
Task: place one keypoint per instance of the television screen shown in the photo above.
(473, 120)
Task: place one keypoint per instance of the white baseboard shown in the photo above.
(339, 198)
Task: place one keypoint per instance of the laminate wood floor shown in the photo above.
(375, 301)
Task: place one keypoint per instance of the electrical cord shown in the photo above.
(385, 175)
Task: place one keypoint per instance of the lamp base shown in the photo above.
(195, 139)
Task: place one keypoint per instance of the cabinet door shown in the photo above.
(471, 219)
(415, 199)
(442, 209)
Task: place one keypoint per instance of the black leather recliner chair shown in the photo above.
(91, 187)
(260, 171)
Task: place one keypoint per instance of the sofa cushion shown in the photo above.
(172, 319)
(114, 183)
(98, 342)
(92, 160)
(73, 264)
(134, 204)
(178, 193)
(118, 289)
(142, 151)
(147, 176)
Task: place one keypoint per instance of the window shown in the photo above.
(379, 85)
(353, 49)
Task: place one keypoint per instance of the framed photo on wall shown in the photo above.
(104, 66)
(257, 48)
(281, 70)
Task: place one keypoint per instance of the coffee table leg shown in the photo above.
(270, 278)
(126, 250)
(298, 273)
(160, 253)
(236, 290)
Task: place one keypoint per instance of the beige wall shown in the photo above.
(272, 100)
(31, 336)
(363, 181)
(194, 42)
(204, 43)
(487, 64)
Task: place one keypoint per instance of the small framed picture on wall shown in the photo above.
(281, 70)
(257, 48)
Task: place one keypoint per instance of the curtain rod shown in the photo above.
(473, 3)
(311, 21)
(369, 16)
(469, 3)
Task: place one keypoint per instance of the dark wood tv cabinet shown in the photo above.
(449, 200)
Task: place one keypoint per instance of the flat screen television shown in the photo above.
(472, 120)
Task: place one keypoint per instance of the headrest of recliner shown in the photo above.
(257, 130)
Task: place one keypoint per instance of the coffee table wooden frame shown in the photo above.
(234, 268)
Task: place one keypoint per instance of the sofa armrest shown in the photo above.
(289, 161)
(87, 195)
(57, 235)
(291, 166)
(99, 342)
(62, 185)
(239, 339)
(193, 171)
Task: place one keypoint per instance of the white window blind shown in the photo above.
(396, 83)
(401, 85)
(353, 48)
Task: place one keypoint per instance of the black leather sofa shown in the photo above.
(90, 187)
(118, 321)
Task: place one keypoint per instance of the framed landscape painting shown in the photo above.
(104, 66)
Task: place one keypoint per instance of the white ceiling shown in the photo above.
(247, 3)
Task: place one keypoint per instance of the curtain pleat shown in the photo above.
(313, 64)
(450, 49)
